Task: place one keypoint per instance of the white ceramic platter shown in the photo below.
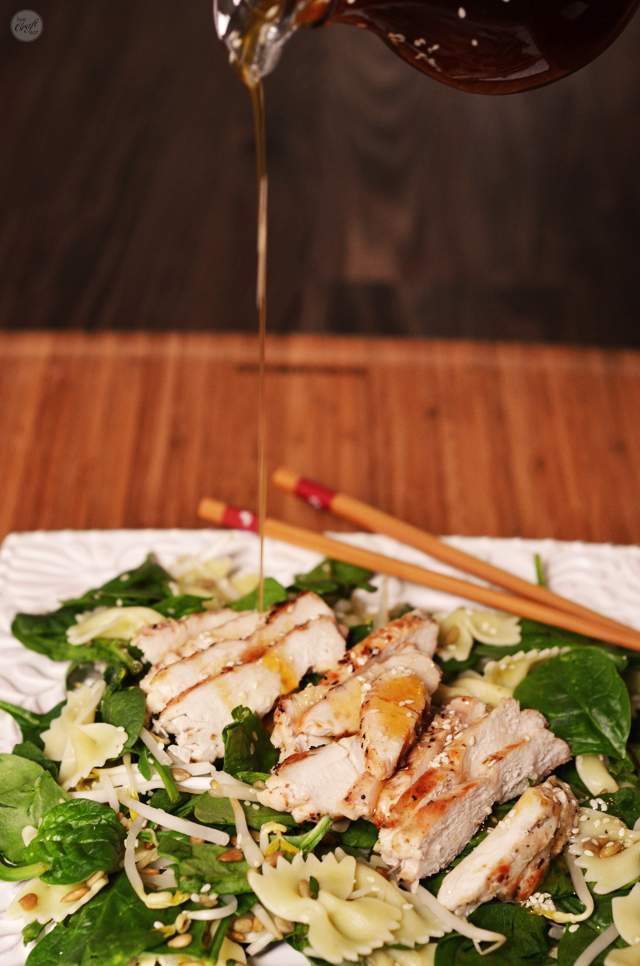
(39, 569)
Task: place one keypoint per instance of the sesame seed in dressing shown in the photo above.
(462, 13)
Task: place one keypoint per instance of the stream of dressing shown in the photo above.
(257, 103)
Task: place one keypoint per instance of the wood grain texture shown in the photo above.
(398, 206)
(131, 430)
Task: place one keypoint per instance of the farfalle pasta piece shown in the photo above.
(500, 678)
(607, 850)
(119, 623)
(403, 957)
(339, 928)
(42, 902)
(459, 629)
(417, 925)
(77, 741)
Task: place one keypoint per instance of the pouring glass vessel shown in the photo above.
(481, 46)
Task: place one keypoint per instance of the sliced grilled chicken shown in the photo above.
(338, 712)
(318, 782)
(491, 761)
(158, 640)
(282, 618)
(391, 715)
(417, 628)
(458, 715)
(181, 675)
(197, 716)
(513, 859)
(286, 734)
(238, 628)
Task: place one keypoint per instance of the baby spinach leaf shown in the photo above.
(356, 634)
(583, 698)
(46, 634)
(197, 863)
(218, 811)
(360, 834)
(27, 749)
(334, 580)
(184, 806)
(144, 585)
(574, 943)
(274, 593)
(108, 931)
(624, 804)
(248, 752)
(31, 932)
(125, 709)
(180, 605)
(527, 941)
(76, 839)
(27, 793)
(31, 723)
(308, 841)
(143, 761)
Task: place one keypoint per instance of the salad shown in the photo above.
(132, 849)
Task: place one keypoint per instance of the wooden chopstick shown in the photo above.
(221, 513)
(363, 515)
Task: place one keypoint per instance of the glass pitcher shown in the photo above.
(481, 46)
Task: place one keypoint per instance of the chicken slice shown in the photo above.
(339, 712)
(391, 715)
(238, 628)
(286, 734)
(179, 676)
(319, 782)
(513, 859)
(159, 640)
(433, 830)
(417, 628)
(458, 715)
(282, 618)
(464, 755)
(198, 715)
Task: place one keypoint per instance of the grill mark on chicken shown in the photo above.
(417, 628)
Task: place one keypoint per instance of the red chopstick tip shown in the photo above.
(228, 516)
(320, 497)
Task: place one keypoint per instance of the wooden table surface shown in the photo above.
(116, 430)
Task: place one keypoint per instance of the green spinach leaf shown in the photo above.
(248, 752)
(527, 941)
(27, 749)
(180, 606)
(583, 698)
(218, 811)
(624, 804)
(198, 863)
(108, 931)
(144, 585)
(274, 593)
(360, 835)
(76, 839)
(31, 723)
(27, 793)
(334, 580)
(125, 709)
(47, 634)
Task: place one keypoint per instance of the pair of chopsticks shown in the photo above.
(525, 599)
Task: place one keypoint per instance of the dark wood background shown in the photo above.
(397, 205)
